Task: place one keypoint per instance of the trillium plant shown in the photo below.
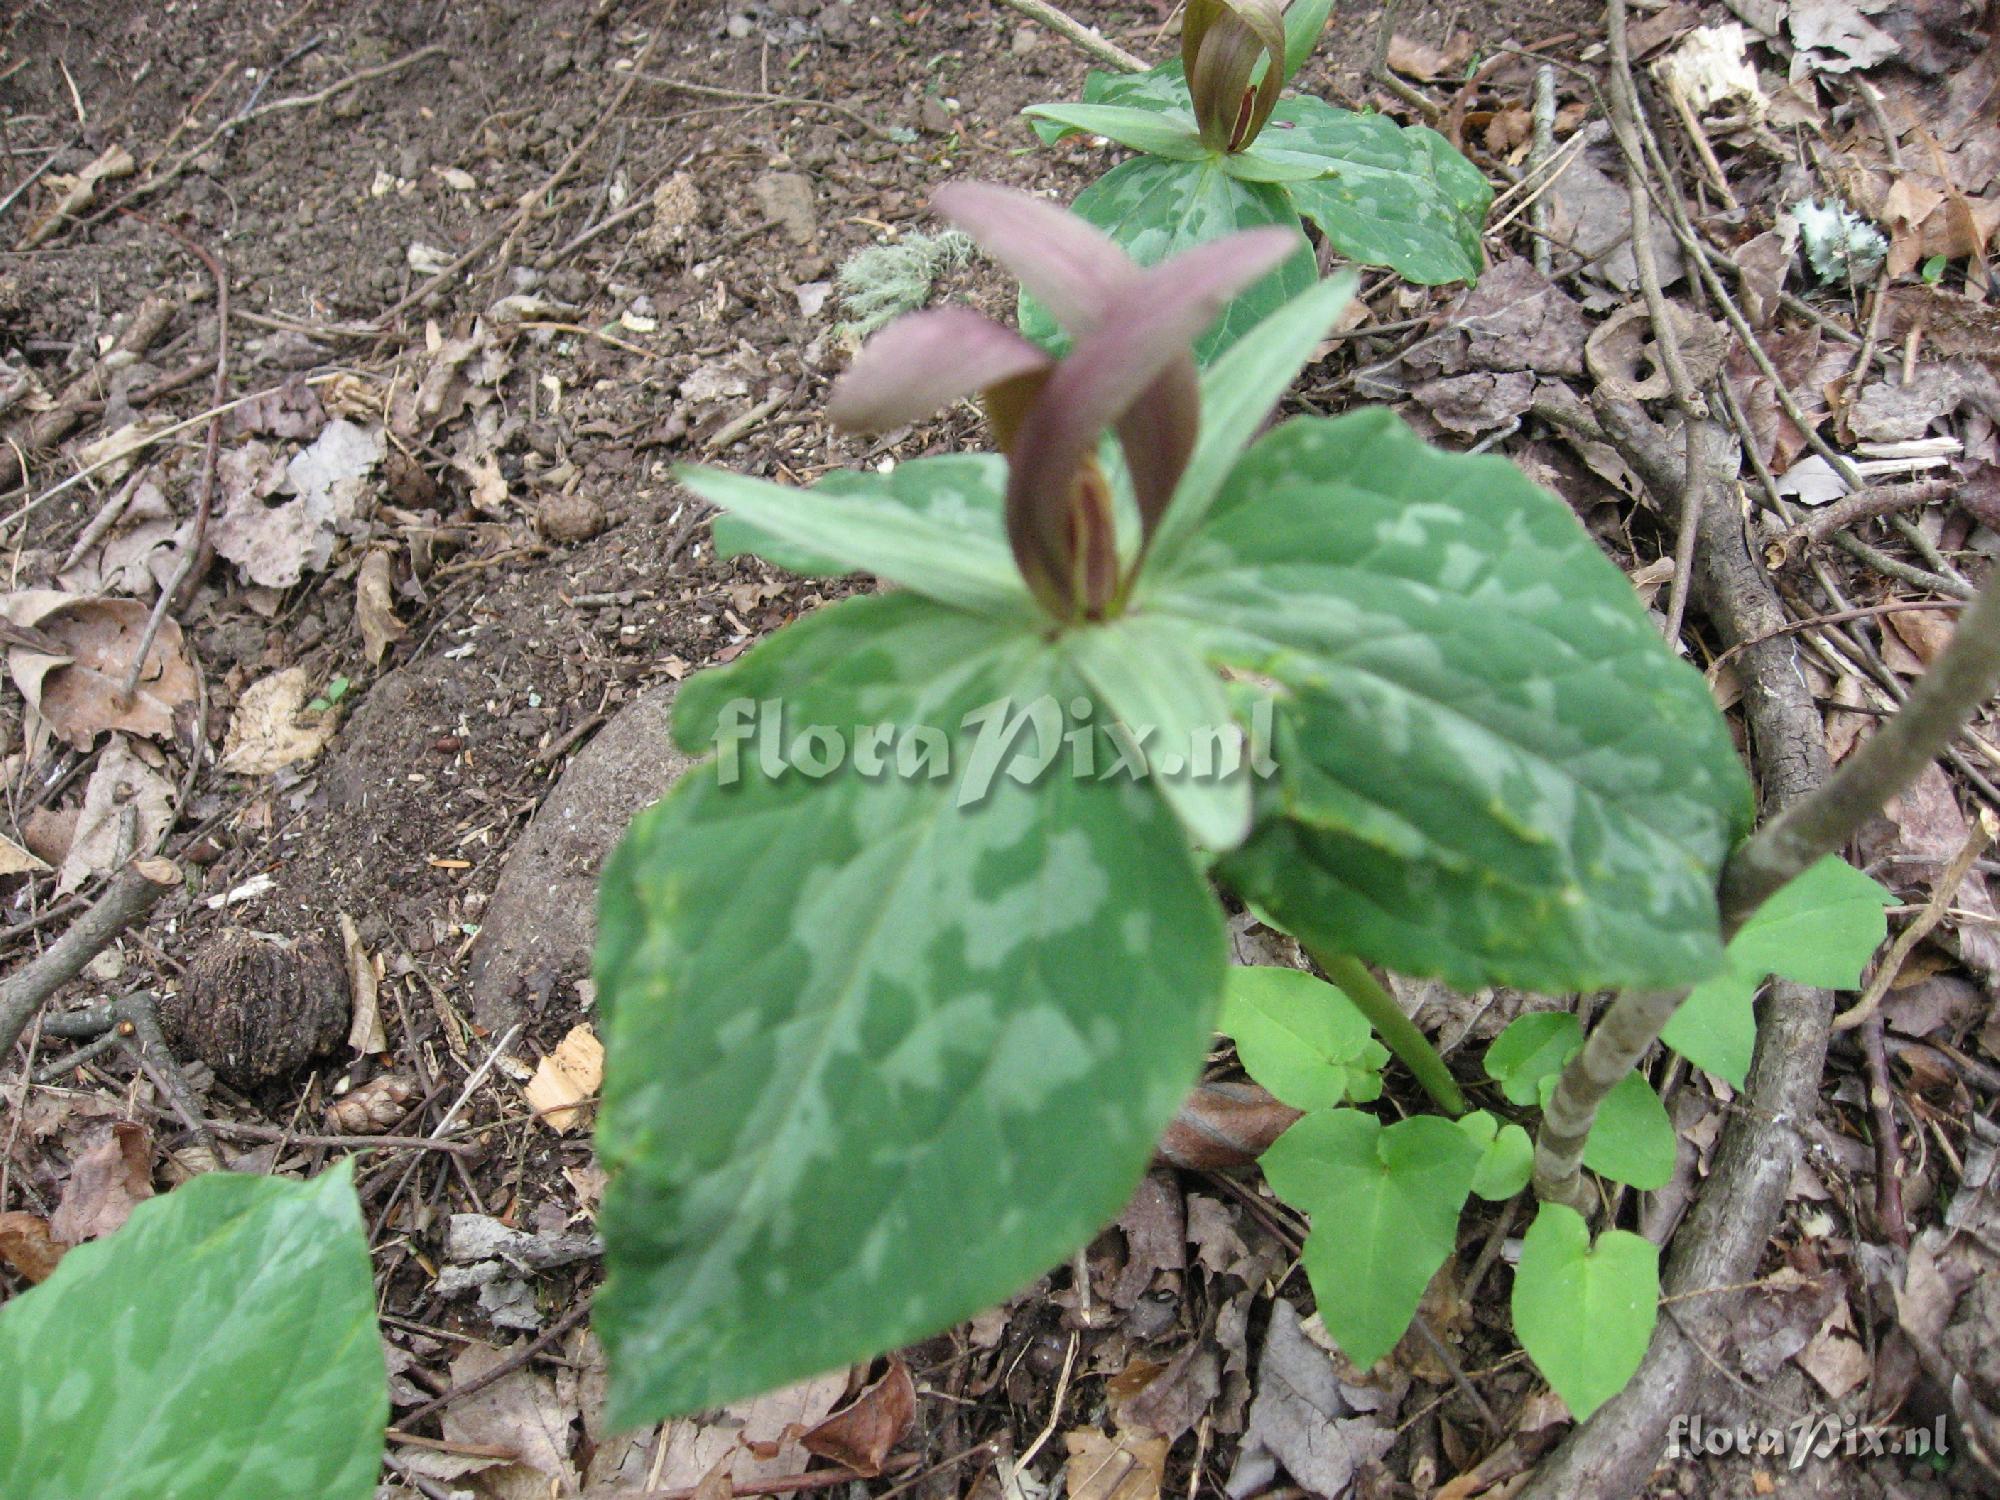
(903, 982)
(1222, 149)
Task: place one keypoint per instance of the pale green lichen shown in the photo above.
(885, 281)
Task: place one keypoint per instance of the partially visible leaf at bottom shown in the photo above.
(221, 1346)
(1585, 1312)
(881, 1048)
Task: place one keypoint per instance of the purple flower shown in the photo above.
(1221, 41)
(1130, 368)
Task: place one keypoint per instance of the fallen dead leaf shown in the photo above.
(272, 727)
(757, 1438)
(373, 1106)
(1129, 1466)
(1423, 62)
(128, 808)
(1223, 1125)
(365, 1033)
(276, 541)
(81, 695)
(74, 193)
(14, 860)
(1322, 1429)
(570, 1074)
(1836, 36)
(375, 606)
(111, 1177)
(521, 1412)
(27, 1246)
(862, 1434)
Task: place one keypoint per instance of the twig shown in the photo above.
(1975, 844)
(129, 897)
(1943, 699)
(1538, 159)
(515, 1360)
(1863, 505)
(1091, 41)
(194, 551)
(254, 1132)
(1888, 1149)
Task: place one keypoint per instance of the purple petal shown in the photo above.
(1072, 267)
(1157, 434)
(928, 360)
(1146, 330)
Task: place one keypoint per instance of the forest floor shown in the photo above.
(491, 269)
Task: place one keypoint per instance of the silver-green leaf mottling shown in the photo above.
(877, 1057)
(1493, 769)
(220, 1346)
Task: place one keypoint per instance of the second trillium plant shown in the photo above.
(881, 1052)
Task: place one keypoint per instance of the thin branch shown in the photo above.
(1943, 700)
(128, 898)
(1063, 24)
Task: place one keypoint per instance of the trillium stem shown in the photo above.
(1398, 1033)
(1943, 701)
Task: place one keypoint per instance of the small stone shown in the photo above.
(570, 518)
(1026, 40)
(788, 198)
(738, 27)
(934, 117)
(556, 63)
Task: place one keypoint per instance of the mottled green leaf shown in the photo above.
(1140, 128)
(1820, 929)
(1301, 1037)
(1393, 195)
(1532, 1048)
(1384, 1205)
(1156, 208)
(1238, 394)
(881, 1048)
(220, 1346)
(1493, 769)
(932, 526)
(1585, 1312)
(1632, 1141)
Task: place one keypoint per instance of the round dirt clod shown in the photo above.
(571, 518)
(255, 1010)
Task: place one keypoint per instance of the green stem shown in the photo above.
(1399, 1034)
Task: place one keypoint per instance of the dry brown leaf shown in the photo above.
(374, 1106)
(1423, 62)
(128, 808)
(375, 606)
(272, 727)
(862, 1434)
(106, 1182)
(80, 696)
(48, 831)
(570, 1074)
(74, 193)
(1925, 631)
(14, 860)
(756, 1438)
(275, 541)
(522, 1412)
(364, 1033)
(1130, 1466)
(27, 1246)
